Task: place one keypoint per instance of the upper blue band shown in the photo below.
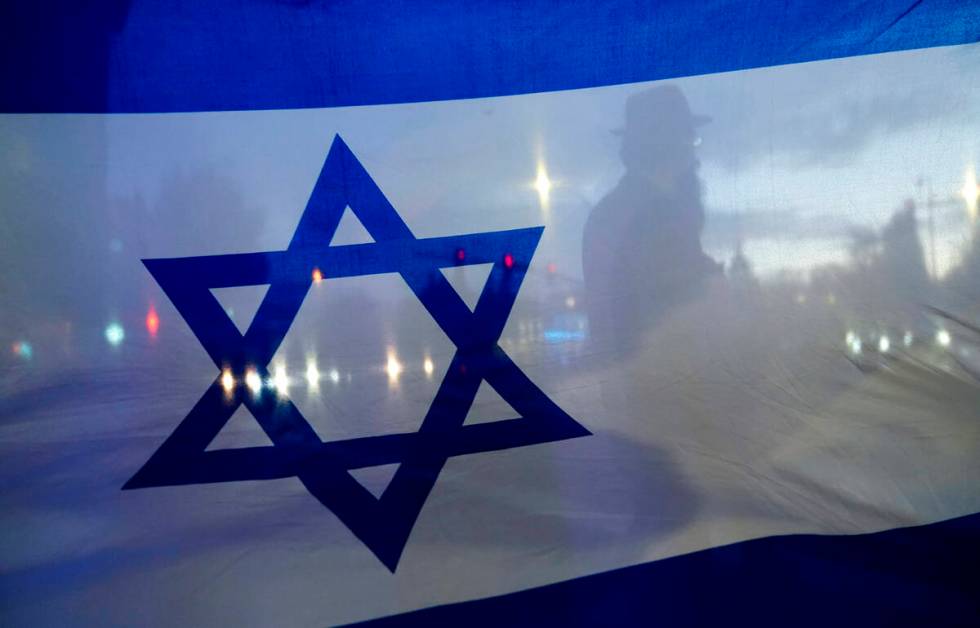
(145, 56)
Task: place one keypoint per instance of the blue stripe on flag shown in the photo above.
(145, 56)
(920, 576)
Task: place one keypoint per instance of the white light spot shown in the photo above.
(312, 374)
(428, 366)
(227, 380)
(543, 185)
(253, 381)
(884, 344)
(943, 338)
(280, 380)
(334, 376)
(393, 367)
(114, 334)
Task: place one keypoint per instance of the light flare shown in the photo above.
(393, 367)
(114, 334)
(152, 322)
(227, 380)
(312, 374)
(279, 379)
(543, 185)
(253, 381)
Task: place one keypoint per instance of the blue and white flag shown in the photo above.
(509, 314)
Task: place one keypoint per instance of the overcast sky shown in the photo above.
(794, 158)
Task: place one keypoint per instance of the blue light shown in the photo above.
(563, 335)
(24, 349)
(114, 334)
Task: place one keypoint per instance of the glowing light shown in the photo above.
(393, 367)
(227, 380)
(563, 335)
(312, 374)
(114, 334)
(253, 381)
(570, 303)
(943, 338)
(849, 337)
(334, 376)
(543, 185)
(23, 349)
(884, 344)
(428, 366)
(152, 322)
(971, 193)
(907, 339)
(508, 261)
(460, 255)
(853, 342)
(317, 275)
(279, 379)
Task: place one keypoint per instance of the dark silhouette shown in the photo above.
(641, 250)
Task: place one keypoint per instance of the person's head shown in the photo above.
(660, 134)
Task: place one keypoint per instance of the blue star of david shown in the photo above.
(382, 524)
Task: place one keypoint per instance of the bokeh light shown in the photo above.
(227, 380)
(253, 381)
(115, 334)
(152, 322)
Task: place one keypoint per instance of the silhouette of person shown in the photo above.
(641, 248)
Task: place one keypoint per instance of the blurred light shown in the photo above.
(570, 302)
(943, 338)
(227, 380)
(428, 366)
(114, 334)
(280, 380)
(971, 193)
(543, 185)
(801, 298)
(317, 275)
(312, 374)
(884, 344)
(393, 367)
(253, 381)
(508, 261)
(562, 335)
(152, 322)
(907, 339)
(460, 254)
(23, 349)
(831, 298)
(849, 337)
(552, 268)
(334, 376)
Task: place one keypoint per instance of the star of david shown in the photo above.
(383, 524)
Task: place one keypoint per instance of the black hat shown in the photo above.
(659, 109)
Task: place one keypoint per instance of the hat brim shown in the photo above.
(696, 121)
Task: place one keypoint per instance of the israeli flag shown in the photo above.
(589, 314)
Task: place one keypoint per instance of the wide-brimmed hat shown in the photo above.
(660, 109)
